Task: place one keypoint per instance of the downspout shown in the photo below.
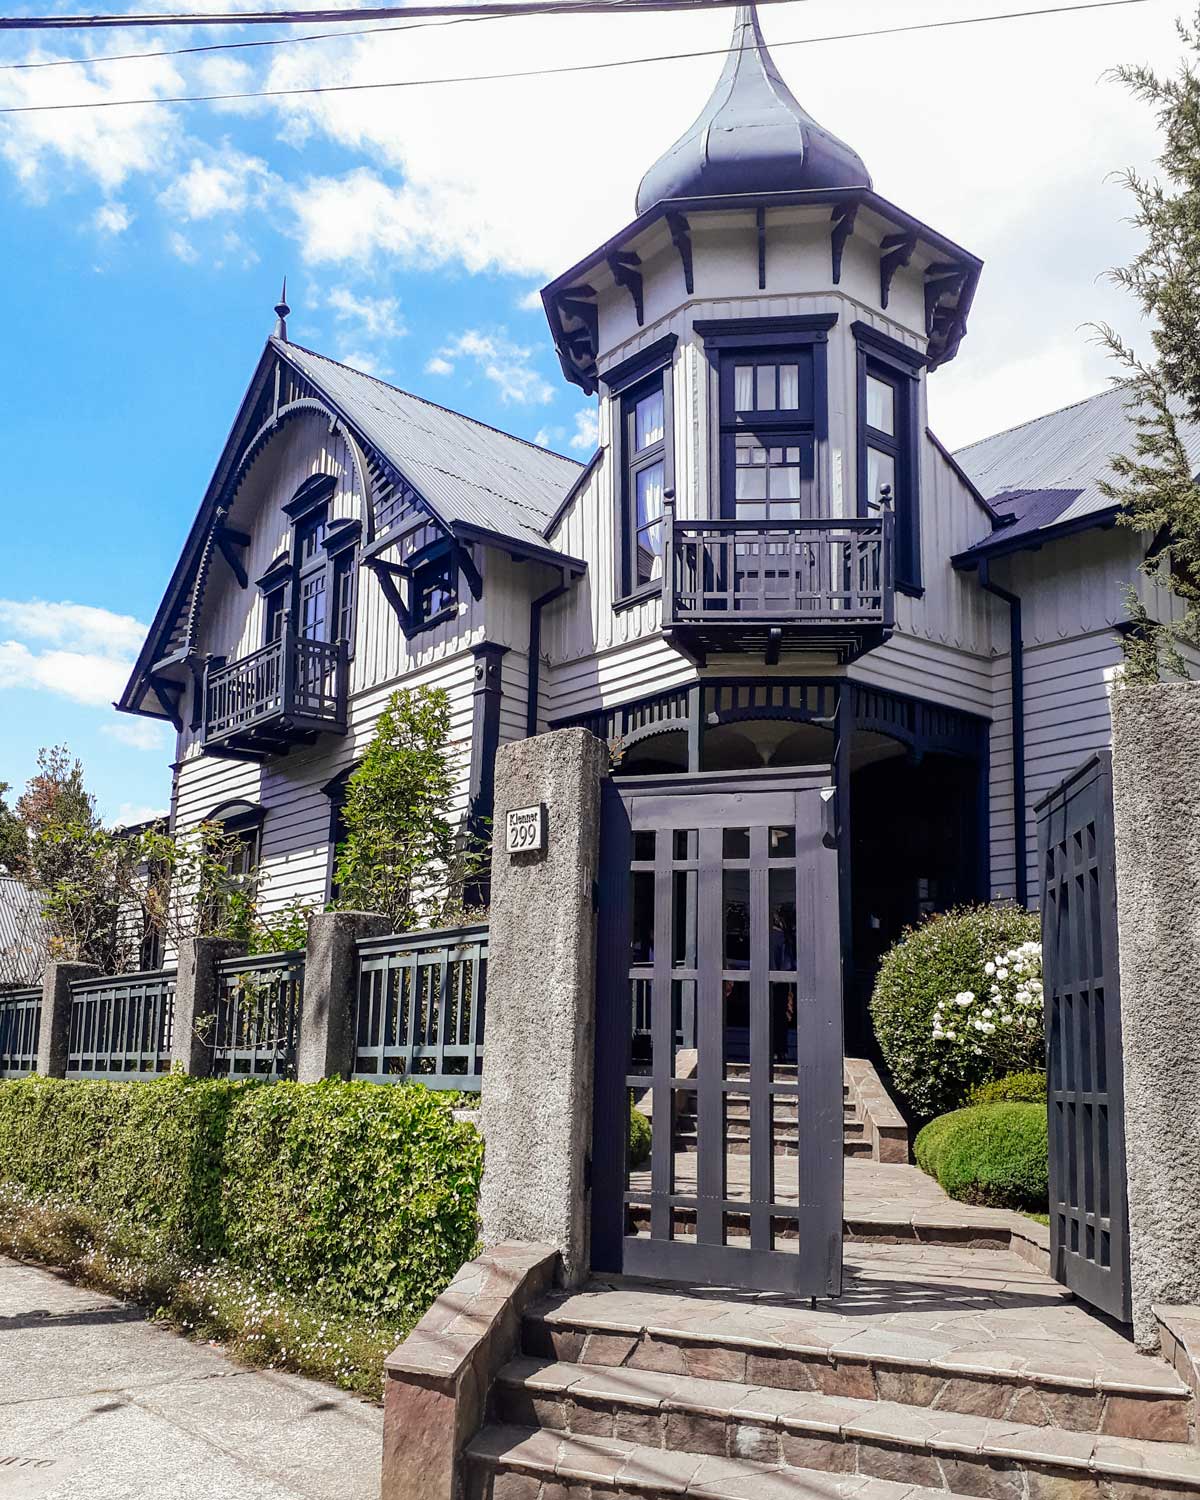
(1016, 658)
(535, 648)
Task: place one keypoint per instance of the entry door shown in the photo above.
(720, 1012)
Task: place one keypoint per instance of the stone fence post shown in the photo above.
(54, 1032)
(326, 1045)
(538, 1074)
(196, 1001)
(1156, 819)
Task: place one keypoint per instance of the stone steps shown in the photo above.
(689, 1416)
(516, 1463)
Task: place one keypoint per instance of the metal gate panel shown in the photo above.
(719, 990)
(1089, 1232)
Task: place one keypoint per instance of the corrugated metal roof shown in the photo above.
(468, 472)
(23, 933)
(1048, 472)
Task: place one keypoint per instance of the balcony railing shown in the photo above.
(825, 584)
(286, 693)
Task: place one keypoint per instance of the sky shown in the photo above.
(142, 250)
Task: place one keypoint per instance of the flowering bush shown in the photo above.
(945, 957)
(1004, 1023)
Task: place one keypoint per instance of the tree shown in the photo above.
(1155, 485)
(14, 841)
(404, 854)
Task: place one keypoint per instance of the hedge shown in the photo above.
(932, 963)
(992, 1154)
(361, 1196)
(1014, 1088)
(639, 1136)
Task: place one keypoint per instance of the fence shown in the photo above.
(257, 1020)
(20, 1020)
(420, 1008)
(121, 1027)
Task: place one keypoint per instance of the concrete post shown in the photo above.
(538, 1074)
(1156, 817)
(54, 1032)
(326, 1045)
(196, 1001)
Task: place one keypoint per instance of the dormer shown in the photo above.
(759, 336)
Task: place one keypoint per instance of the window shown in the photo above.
(645, 423)
(240, 824)
(345, 572)
(311, 565)
(888, 450)
(434, 588)
(274, 614)
(767, 435)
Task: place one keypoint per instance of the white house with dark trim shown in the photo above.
(771, 564)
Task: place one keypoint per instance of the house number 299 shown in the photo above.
(526, 830)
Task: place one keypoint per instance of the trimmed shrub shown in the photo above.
(929, 966)
(992, 1154)
(639, 1136)
(360, 1196)
(1014, 1088)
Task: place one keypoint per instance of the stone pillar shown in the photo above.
(538, 1074)
(1156, 816)
(54, 1032)
(196, 1001)
(326, 1045)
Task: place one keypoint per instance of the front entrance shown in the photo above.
(720, 1011)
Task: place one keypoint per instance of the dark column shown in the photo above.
(841, 778)
(485, 741)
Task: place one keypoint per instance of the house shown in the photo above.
(24, 934)
(770, 565)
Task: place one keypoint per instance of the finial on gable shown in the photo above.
(281, 313)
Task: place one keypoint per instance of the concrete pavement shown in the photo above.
(96, 1403)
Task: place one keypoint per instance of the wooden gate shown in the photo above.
(720, 1012)
(1089, 1231)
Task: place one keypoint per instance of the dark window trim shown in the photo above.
(649, 590)
(277, 575)
(335, 790)
(341, 535)
(441, 552)
(625, 592)
(637, 367)
(878, 354)
(237, 815)
(315, 491)
(747, 332)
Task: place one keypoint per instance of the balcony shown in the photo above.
(823, 585)
(283, 695)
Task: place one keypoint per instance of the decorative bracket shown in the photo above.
(227, 542)
(844, 216)
(681, 238)
(624, 267)
(897, 251)
(170, 695)
(939, 279)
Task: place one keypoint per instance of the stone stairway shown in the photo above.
(942, 1370)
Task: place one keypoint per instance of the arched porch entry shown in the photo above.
(913, 791)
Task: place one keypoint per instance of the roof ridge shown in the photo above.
(283, 344)
(1029, 421)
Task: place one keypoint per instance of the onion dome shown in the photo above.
(752, 136)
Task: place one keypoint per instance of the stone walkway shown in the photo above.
(98, 1404)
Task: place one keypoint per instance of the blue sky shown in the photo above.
(142, 250)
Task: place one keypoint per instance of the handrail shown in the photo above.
(823, 525)
(294, 679)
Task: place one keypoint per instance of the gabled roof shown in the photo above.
(1043, 478)
(470, 473)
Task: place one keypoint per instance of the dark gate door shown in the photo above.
(720, 993)
(1089, 1242)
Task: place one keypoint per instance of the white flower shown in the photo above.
(989, 967)
(1002, 974)
(988, 1012)
(953, 1035)
(964, 998)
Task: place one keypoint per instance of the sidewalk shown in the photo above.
(98, 1404)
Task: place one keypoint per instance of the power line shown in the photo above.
(630, 62)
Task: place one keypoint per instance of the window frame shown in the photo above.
(439, 556)
(889, 360)
(627, 383)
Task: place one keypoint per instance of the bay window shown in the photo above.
(889, 467)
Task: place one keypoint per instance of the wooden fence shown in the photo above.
(258, 1013)
(121, 1027)
(20, 1020)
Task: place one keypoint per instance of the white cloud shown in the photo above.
(507, 365)
(369, 364)
(182, 248)
(375, 317)
(131, 813)
(112, 218)
(531, 301)
(587, 430)
(74, 650)
(227, 183)
(438, 366)
(138, 734)
(543, 436)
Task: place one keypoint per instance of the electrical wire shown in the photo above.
(573, 68)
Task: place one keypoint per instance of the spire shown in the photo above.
(281, 313)
(752, 136)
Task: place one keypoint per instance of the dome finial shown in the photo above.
(281, 313)
(752, 136)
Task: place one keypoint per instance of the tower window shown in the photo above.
(645, 423)
(767, 435)
(889, 465)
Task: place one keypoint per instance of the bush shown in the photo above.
(932, 964)
(361, 1196)
(639, 1136)
(992, 1154)
(1014, 1088)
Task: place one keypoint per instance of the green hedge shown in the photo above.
(1014, 1088)
(361, 1195)
(993, 1154)
(639, 1136)
(932, 963)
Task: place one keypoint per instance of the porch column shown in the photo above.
(1156, 820)
(538, 1073)
(54, 1032)
(196, 1001)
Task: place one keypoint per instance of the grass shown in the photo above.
(259, 1325)
(1043, 1219)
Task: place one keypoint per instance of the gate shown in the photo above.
(1089, 1230)
(719, 1007)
